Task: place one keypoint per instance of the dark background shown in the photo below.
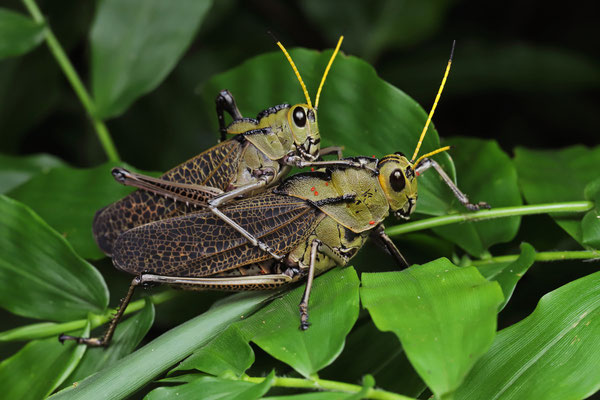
(525, 73)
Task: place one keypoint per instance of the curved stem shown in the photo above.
(69, 71)
(550, 208)
(47, 329)
(324, 384)
(543, 256)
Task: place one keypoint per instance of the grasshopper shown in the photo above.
(260, 154)
(312, 221)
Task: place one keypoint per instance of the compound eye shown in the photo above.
(299, 117)
(397, 180)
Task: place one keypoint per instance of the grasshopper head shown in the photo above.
(302, 120)
(399, 183)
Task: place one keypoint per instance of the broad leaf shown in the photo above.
(228, 352)
(444, 316)
(15, 171)
(551, 354)
(135, 44)
(508, 274)
(548, 176)
(39, 368)
(212, 388)
(358, 110)
(333, 310)
(137, 369)
(484, 173)
(40, 274)
(67, 198)
(18, 33)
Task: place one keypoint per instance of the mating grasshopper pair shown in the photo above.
(219, 222)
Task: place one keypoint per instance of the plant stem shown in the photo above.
(550, 208)
(543, 256)
(63, 61)
(324, 384)
(46, 329)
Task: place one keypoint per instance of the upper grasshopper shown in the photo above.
(311, 222)
(260, 154)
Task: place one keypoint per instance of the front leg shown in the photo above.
(383, 240)
(464, 200)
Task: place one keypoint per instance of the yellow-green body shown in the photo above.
(271, 137)
(347, 224)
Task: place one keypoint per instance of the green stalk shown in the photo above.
(550, 208)
(62, 59)
(543, 256)
(324, 384)
(48, 329)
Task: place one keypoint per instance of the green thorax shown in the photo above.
(367, 206)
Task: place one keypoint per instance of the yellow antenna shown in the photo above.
(337, 48)
(437, 98)
(287, 55)
(445, 148)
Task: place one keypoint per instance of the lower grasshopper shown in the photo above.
(312, 221)
(261, 153)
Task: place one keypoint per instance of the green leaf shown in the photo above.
(40, 274)
(508, 274)
(485, 173)
(126, 338)
(39, 368)
(228, 352)
(67, 198)
(15, 171)
(333, 310)
(358, 110)
(135, 44)
(18, 33)
(551, 354)
(548, 176)
(444, 316)
(212, 389)
(137, 369)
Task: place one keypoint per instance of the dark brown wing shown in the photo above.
(216, 167)
(201, 244)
